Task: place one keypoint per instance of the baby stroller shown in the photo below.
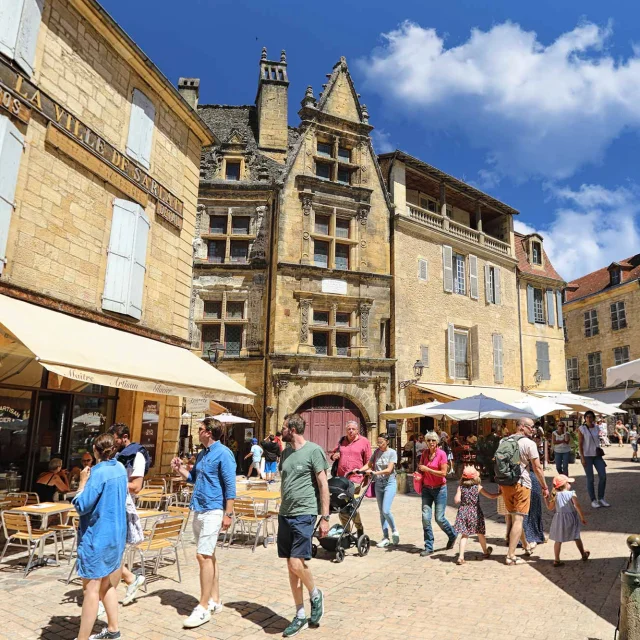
(342, 500)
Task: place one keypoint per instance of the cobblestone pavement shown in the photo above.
(389, 593)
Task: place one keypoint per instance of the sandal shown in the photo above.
(489, 552)
(528, 550)
(460, 561)
(511, 561)
(585, 555)
(558, 563)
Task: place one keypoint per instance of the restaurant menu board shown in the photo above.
(150, 423)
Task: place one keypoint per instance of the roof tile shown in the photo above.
(600, 280)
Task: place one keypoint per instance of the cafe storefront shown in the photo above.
(64, 380)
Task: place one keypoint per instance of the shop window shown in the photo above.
(218, 224)
(232, 170)
(323, 170)
(342, 257)
(343, 227)
(342, 344)
(213, 309)
(233, 339)
(215, 251)
(320, 317)
(239, 251)
(235, 310)
(15, 416)
(141, 125)
(321, 342)
(240, 225)
(321, 253)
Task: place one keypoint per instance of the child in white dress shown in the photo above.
(565, 525)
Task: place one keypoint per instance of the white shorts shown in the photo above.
(206, 527)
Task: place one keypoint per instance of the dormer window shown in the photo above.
(232, 170)
(536, 253)
(615, 275)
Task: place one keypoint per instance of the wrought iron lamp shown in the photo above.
(418, 368)
(216, 353)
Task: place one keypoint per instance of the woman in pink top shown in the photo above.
(433, 467)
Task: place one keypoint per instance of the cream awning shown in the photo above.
(458, 391)
(96, 354)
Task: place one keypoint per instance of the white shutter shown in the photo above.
(498, 371)
(143, 115)
(559, 301)
(10, 12)
(487, 284)
(474, 336)
(496, 285)
(124, 280)
(11, 147)
(473, 276)
(551, 305)
(451, 351)
(422, 269)
(28, 34)
(447, 268)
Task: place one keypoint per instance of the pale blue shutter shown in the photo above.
(10, 12)
(551, 305)
(447, 268)
(531, 317)
(140, 136)
(498, 371)
(497, 285)
(542, 354)
(451, 351)
(475, 352)
(473, 276)
(28, 34)
(138, 265)
(11, 147)
(487, 284)
(560, 316)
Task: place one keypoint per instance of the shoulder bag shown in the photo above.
(334, 466)
(599, 449)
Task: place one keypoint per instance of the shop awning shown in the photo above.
(459, 391)
(623, 373)
(96, 354)
(613, 396)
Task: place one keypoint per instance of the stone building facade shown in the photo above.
(600, 312)
(99, 156)
(306, 266)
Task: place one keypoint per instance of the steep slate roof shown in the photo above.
(600, 280)
(547, 271)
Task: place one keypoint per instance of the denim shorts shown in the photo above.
(206, 527)
(294, 536)
(271, 467)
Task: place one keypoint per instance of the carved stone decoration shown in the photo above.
(194, 330)
(199, 249)
(363, 214)
(258, 250)
(365, 308)
(305, 235)
(256, 293)
(364, 174)
(264, 53)
(201, 211)
(365, 114)
(308, 100)
(280, 384)
(283, 56)
(305, 304)
(307, 204)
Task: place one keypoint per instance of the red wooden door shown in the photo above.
(335, 430)
(319, 428)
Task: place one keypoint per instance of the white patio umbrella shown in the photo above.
(623, 373)
(583, 403)
(474, 408)
(536, 407)
(417, 411)
(229, 418)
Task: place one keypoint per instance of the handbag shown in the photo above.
(334, 466)
(599, 449)
(371, 489)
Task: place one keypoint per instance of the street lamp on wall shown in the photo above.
(216, 353)
(418, 368)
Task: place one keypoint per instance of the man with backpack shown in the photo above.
(514, 455)
(137, 461)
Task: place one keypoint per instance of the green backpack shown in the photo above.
(507, 465)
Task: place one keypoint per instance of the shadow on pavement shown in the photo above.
(64, 626)
(267, 619)
(182, 602)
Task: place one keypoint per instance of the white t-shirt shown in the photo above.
(528, 452)
(565, 447)
(590, 440)
(137, 470)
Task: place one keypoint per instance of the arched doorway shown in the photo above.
(326, 417)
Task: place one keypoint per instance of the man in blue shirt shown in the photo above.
(214, 479)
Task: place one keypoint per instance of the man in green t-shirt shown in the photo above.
(305, 493)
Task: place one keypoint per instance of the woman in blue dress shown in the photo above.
(102, 535)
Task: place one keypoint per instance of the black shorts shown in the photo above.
(294, 536)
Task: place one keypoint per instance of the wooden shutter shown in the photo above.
(451, 351)
(551, 305)
(487, 284)
(542, 354)
(475, 353)
(531, 314)
(498, 371)
(422, 269)
(11, 147)
(28, 34)
(473, 276)
(447, 268)
(143, 115)
(497, 285)
(10, 12)
(124, 279)
(559, 305)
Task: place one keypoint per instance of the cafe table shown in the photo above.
(45, 510)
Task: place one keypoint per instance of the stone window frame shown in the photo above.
(591, 326)
(332, 239)
(618, 315)
(619, 356)
(229, 237)
(332, 328)
(572, 367)
(224, 298)
(232, 159)
(536, 246)
(335, 161)
(595, 370)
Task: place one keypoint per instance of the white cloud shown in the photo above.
(537, 110)
(592, 227)
(382, 141)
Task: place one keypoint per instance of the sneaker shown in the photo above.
(105, 634)
(604, 503)
(215, 607)
(295, 626)
(101, 610)
(595, 504)
(385, 542)
(425, 552)
(395, 537)
(450, 544)
(132, 590)
(198, 616)
(317, 609)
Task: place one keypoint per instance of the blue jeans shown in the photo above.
(439, 496)
(601, 468)
(385, 493)
(562, 462)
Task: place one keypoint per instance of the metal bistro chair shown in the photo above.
(156, 483)
(16, 500)
(248, 517)
(75, 522)
(166, 535)
(186, 513)
(17, 526)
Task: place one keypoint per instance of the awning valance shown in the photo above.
(613, 396)
(96, 354)
(458, 391)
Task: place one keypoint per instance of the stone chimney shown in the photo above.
(189, 89)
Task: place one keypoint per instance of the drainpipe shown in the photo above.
(520, 332)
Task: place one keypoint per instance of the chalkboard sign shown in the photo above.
(392, 428)
(150, 423)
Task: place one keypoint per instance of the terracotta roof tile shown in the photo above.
(600, 280)
(525, 266)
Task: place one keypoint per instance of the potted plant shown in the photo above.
(574, 442)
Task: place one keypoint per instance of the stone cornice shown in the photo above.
(322, 272)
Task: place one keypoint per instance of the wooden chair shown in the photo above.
(156, 483)
(258, 484)
(17, 526)
(32, 498)
(185, 512)
(166, 535)
(246, 515)
(75, 522)
(16, 500)
(150, 500)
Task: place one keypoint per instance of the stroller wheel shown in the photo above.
(363, 545)
(339, 554)
(314, 550)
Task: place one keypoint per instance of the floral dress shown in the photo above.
(470, 519)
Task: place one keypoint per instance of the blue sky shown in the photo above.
(536, 103)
